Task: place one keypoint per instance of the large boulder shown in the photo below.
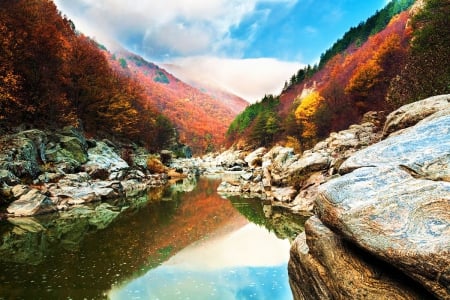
(30, 203)
(19, 156)
(422, 150)
(66, 150)
(410, 114)
(324, 266)
(254, 159)
(102, 161)
(394, 202)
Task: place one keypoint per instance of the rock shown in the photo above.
(303, 205)
(8, 178)
(403, 220)
(285, 194)
(254, 159)
(74, 148)
(155, 166)
(79, 192)
(324, 266)
(139, 157)
(410, 114)
(102, 160)
(307, 164)
(74, 179)
(30, 204)
(49, 177)
(267, 179)
(395, 202)
(67, 150)
(18, 155)
(228, 158)
(422, 149)
(247, 176)
(304, 201)
(20, 190)
(39, 139)
(235, 169)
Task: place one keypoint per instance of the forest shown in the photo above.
(397, 56)
(52, 76)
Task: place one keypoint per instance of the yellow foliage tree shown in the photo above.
(305, 114)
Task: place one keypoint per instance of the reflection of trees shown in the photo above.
(284, 224)
(136, 234)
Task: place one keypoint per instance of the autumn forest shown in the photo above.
(52, 76)
(397, 56)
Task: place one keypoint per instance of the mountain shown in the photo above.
(200, 116)
(398, 55)
(234, 102)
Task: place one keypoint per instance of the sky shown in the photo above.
(248, 47)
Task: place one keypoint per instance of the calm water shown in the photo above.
(167, 244)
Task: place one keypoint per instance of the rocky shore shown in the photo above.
(43, 172)
(291, 180)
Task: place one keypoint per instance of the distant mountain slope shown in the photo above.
(234, 102)
(201, 118)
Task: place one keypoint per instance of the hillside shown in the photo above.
(201, 117)
(51, 76)
(395, 57)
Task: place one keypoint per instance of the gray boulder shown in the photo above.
(66, 150)
(9, 178)
(410, 114)
(18, 155)
(324, 266)
(103, 161)
(395, 202)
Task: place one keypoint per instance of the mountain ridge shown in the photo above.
(200, 117)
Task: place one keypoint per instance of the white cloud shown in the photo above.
(172, 26)
(247, 78)
(165, 27)
(198, 31)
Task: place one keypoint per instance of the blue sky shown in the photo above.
(248, 47)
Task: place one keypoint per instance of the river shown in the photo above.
(182, 242)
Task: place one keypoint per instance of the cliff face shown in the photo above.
(382, 229)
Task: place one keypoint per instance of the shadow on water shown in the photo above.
(83, 253)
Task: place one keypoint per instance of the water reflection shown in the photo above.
(246, 263)
(114, 249)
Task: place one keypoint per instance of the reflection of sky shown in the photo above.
(249, 263)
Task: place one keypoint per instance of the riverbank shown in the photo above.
(379, 194)
(43, 171)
